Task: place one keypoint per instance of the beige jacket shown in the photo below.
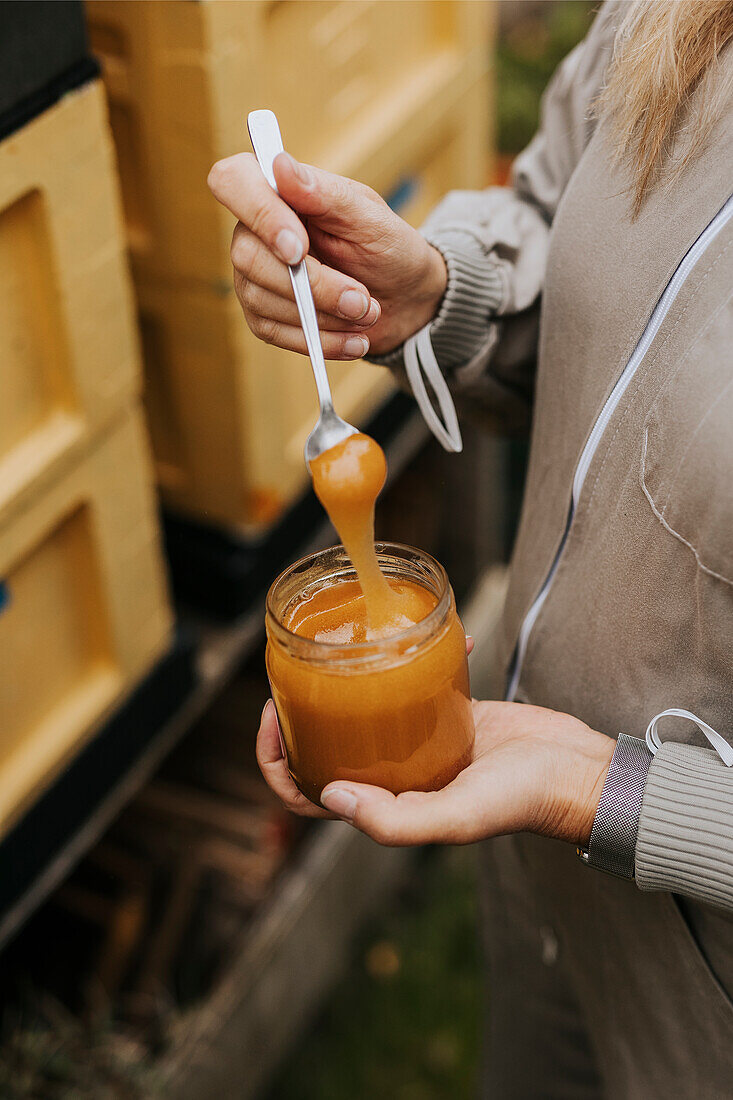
(621, 594)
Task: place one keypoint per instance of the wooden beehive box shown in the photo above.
(83, 607)
(68, 342)
(397, 95)
(181, 78)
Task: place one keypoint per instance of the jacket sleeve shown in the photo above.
(685, 839)
(666, 820)
(495, 245)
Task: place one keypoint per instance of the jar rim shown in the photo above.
(337, 652)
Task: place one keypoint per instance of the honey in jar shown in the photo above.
(390, 710)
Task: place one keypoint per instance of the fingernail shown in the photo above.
(469, 638)
(356, 346)
(288, 247)
(353, 304)
(340, 801)
(267, 711)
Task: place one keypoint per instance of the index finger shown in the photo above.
(239, 184)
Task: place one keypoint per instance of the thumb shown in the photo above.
(449, 816)
(337, 202)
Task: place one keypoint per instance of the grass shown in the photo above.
(405, 1024)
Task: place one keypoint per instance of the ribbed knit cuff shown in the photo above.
(685, 841)
(615, 826)
(474, 293)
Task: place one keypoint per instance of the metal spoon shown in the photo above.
(264, 133)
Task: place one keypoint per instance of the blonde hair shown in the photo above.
(664, 50)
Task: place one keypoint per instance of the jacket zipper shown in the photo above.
(653, 325)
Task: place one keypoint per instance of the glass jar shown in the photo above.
(394, 712)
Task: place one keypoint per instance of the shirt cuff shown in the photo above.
(616, 824)
(685, 841)
(474, 294)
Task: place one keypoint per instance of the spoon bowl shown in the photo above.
(329, 431)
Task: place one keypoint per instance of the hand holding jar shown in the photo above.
(532, 770)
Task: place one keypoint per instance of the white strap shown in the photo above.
(420, 359)
(721, 746)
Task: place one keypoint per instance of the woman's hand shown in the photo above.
(533, 770)
(375, 279)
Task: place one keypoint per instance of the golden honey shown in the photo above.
(392, 710)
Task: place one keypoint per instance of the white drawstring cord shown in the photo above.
(721, 746)
(420, 359)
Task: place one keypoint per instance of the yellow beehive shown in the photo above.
(397, 95)
(68, 343)
(181, 78)
(83, 609)
(229, 415)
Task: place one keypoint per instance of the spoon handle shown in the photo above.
(267, 142)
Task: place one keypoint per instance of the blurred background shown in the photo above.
(166, 928)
